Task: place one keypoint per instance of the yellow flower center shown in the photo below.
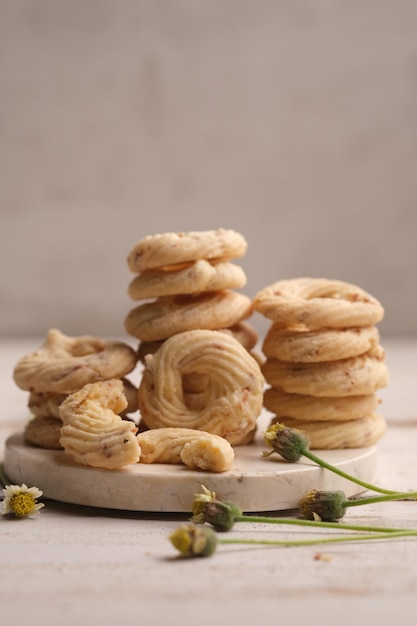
(22, 504)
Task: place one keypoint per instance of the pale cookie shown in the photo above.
(360, 375)
(199, 277)
(318, 303)
(161, 250)
(93, 433)
(360, 433)
(232, 399)
(154, 321)
(196, 449)
(300, 345)
(310, 408)
(43, 432)
(46, 404)
(64, 364)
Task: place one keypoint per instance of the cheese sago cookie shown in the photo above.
(93, 432)
(64, 364)
(154, 321)
(332, 435)
(195, 448)
(304, 346)
(318, 303)
(312, 408)
(166, 249)
(360, 375)
(198, 277)
(232, 399)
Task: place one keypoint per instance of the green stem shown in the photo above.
(3, 478)
(310, 455)
(395, 496)
(301, 522)
(325, 540)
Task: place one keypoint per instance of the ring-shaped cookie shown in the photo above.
(64, 364)
(154, 321)
(360, 433)
(232, 398)
(318, 303)
(313, 346)
(198, 277)
(313, 409)
(360, 375)
(161, 250)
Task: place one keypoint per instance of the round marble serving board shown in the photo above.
(255, 483)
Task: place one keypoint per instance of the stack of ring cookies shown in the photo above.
(324, 363)
(187, 281)
(62, 366)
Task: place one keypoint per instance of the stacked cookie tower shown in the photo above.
(324, 363)
(187, 281)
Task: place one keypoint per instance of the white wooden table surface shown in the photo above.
(74, 564)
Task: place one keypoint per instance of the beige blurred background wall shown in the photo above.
(292, 122)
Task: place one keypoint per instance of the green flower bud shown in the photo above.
(325, 505)
(220, 514)
(193, 541)
(290, 443)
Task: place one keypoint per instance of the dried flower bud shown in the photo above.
(290, 443)
(326, 506)
(208, 509)
(193, 541)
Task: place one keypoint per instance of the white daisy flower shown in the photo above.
(21, 500)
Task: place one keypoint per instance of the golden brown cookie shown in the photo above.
(318, 303)
(167, 249)
(43, 432)
(64, 364)
(361, 375)
(199, 277)
(304, 346)
(360, 433)
(311, 408)
(158, 320)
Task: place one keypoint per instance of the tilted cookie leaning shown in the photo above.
(230, 403)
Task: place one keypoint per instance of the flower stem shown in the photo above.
(410, 495)
(324, 540)
(3, 478)
(302, 522)
(310, 455)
